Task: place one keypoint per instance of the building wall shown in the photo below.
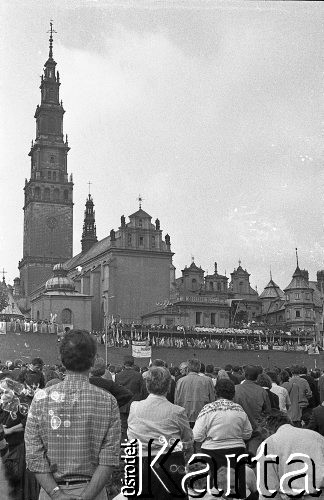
(79, 306)
(137, 283)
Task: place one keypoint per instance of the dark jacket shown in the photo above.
(317, 420)
(133, 381)
(122, 395)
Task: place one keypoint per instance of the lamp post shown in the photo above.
(106, 308)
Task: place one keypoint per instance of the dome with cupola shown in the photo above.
(60, 281)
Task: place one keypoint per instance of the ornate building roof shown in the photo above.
(272, 291)
(60, 281)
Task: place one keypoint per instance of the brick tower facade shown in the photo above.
(48, 205)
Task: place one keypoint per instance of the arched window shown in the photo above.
(140, 223)
(218, 287)
(54, 176)
(47, 194)
(211, 286)
(37, 316)
(67, 316)
(194, 284)
(66, 195)
(37, 193)
(56, 194)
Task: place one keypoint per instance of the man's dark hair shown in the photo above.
(225, 388)
(228, 368)
(209, 368)
(251, 372)
(158, 362)
(128, 361)
(303, 370)
(37, 362)
(295, 370)
(202, 368)
(276, 419)
(284, 376)
(273, 377)
(78, 350)
(194, 365)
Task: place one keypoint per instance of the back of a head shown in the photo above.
(273, 377)
(284, 376)
(209, 368)
(303, 370)
(225, 388)
(264, 380)
(158, 380)
(128, 361)
(194, 365)
(202, 368)
(295, 370)
(251, 372)
(276, 419)
(78, 350)
(158, 362)
(228, 368)
(38, 362)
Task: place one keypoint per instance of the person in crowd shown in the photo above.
(36, 367)
(320, 386)
(155, 418)
(222, 427)
(133, 381)
(237, 372)
(281, 392)
(265, 381)
(170, 394)
(210, 373)
(299, 393)
(121, 393)
(313, 401)
(284, 441)
(193, 391)
(79, 418)
(222, 374)
(183, 370)
(255, 402)
(229, 370)
(316, 422)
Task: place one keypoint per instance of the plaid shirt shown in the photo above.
(72, 427)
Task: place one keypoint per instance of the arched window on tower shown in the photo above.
(67, 317)
(47, 194)
(211, 286)
(54, 176)
(56, 194)
(66, 195)
(194, 285)
(37, 193)
(218, 287)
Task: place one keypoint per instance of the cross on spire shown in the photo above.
(140, 199)
(297, 257)
(192, 258)
(51, 31)
(3, 275)
(270, 274)
(89, 184)
(240, 262)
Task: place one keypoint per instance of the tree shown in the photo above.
(4, 301)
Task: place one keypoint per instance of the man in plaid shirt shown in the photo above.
(72, 433)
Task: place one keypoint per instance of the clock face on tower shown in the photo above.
(51, 222)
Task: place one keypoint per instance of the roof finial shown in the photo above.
(3, 275)
(140, 199)
(270, 274)
(240, 262)
(89, 184)
(51, 31)
(297, 257)
(192, 258)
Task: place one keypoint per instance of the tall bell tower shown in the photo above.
(48, 206)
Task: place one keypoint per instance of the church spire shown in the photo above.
(51, 31)
(89, 233)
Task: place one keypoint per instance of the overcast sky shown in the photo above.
(212, 110)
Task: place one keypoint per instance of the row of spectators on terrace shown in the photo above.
(200, 342)
(218, 410)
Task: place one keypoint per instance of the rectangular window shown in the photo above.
(49, 174)
(297, 314)
(141, 241)
(307, 296)
(212, 318)
(308, 313)
(129, 240)
(198, 318)
(153, 241)
(296, 295)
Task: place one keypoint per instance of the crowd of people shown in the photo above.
(67, 429)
